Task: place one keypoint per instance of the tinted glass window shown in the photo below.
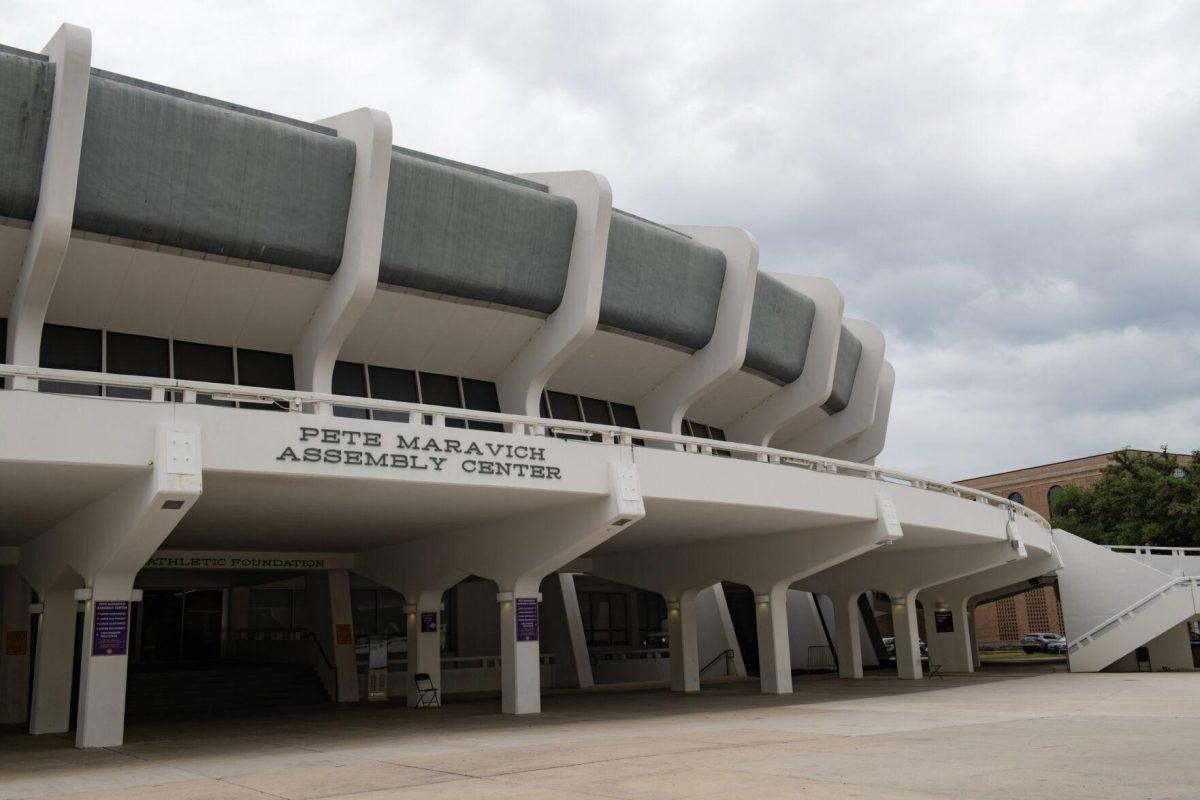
(481, 396)
(64, 347)
(564, 406)
(595, 411)
(625, 416)
(269, 370)
(393, 384)
(441, 390)
(136, 355)
(3, 340)
(204, 362)
(349, 379)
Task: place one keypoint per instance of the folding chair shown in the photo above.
(935, 671)
(427, 693)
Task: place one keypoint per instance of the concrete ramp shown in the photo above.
(1113, 604)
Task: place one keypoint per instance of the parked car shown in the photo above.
(889, 646)
(1043, 643)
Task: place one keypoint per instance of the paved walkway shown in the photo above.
(1009, 736)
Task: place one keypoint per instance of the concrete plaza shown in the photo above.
(1001, 733)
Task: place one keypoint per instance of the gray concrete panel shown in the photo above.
(26, 89)
(848, 356)
(160, 166)
(780, 325)
(463, 233)
(660, 283)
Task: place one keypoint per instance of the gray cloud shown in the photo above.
(1009, 190)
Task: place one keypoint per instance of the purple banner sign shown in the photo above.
(110, 633)
(527, 619)
(429, 622)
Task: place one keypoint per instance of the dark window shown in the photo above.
(595, 411)
(652, 612)
(545, 407)
(204, 362)
(3, 340)
(269, 370)
(441, 390)
(1017, 497)
(481, 396)
(64, 347)
(127, 354)
(349, 379)
(604, 619)
(564, 406)
(393, 384)
(625, 416)
(1052, 495)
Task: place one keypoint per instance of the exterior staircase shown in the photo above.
(1116, 600)
(157, 691)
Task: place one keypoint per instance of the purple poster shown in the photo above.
(527, 619)
(429, 622)
(110, 634)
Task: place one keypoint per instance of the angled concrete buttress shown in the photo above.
(797, 406)
(521, 383)
(858, 415)
(93, 555)
(70, 50)
(352, 286)
(664, 406)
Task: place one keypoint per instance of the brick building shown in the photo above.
(1010, 618)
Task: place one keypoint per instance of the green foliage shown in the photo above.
(1141, 499)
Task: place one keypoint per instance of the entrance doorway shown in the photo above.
(180, 625)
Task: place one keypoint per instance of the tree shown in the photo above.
(1141, 499)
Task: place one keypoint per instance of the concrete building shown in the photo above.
(283, 393)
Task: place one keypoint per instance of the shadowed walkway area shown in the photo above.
(1095, 736)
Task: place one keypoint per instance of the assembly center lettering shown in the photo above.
(423, 453)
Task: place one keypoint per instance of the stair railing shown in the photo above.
(726, 654)
(1129, 612)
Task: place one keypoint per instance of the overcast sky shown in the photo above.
(1010, 190)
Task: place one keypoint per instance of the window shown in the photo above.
(652, 612)
(65, 347)
(204, 362)
(393, 384)
(378, 612)
(1052, 494)
(441, 390)
(268, 370)
(481, 396)
(349, 379)
(126, 354)
(605, 621)
(277, 609)
(1017, 497)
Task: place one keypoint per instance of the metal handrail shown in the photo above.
(725, 654)
(1152, 550)
(282, 634)
(319, 403)
(1098, 630)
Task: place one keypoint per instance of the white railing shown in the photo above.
(1146, 550)
(1131, 611)
(168, 389)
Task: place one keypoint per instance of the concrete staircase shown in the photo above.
(1115, 602)
(181, 690)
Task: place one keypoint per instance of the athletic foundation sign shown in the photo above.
(420, 453)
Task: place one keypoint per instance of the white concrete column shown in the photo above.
(521, 383)
(663, 408)
(685, 652)
(424, 619)
(975, 659)
(904, 623)
(520, 665)
(331, 613)
(352, 286)
(774, 645)
(579, 649)
(847, 623)
(54, 665)
(70, 50)
(102, 672)
(15, 641)
(952, 649)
